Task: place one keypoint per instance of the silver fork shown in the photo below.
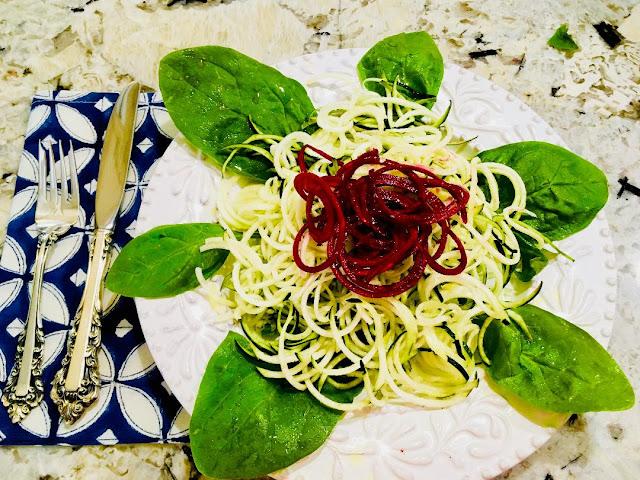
(56, 210)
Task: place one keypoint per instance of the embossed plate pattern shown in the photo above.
(477, 439)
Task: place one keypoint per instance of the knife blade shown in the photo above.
(114, 162)
(77, 384)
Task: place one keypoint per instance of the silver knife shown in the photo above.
(77, 384)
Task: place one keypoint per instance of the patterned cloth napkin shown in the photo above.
(135, 405)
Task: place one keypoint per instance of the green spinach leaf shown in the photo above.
(161, 262)
(561, 40)
(564, 190)
(411, 58)
(245, 425)
(212, 92)
(560, 369)
(532, 259)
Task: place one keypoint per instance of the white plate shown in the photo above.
(479, 438)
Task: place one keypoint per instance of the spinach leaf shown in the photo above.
(560, 369)
(564, 190)
(532, 259)
(561, 40)
(161, 262)
(245, 425)
(411, 58)
(212, 92)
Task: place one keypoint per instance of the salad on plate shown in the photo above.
(368, 255)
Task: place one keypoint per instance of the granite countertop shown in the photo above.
(592, 99)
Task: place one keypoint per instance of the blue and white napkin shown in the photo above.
(135, 404)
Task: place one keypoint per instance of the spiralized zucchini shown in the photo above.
(419, 348)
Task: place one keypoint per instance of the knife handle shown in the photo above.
(77, 384)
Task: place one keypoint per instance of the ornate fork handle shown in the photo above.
(77, 384)
(24, 389)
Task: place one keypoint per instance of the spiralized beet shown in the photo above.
(374, 223)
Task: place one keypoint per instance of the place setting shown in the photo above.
(359, 263)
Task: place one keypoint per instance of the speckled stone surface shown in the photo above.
(592, 99)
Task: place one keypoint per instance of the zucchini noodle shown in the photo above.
(418, 348)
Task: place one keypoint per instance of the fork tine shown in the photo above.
(64, 177)
(53, 181)
(73, 170)
(42, 176)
